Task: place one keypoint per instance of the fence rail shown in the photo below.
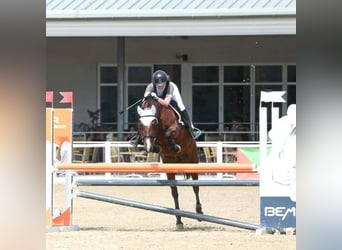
(219, 146)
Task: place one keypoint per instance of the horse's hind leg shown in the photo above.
(174, 192)
(196, 191)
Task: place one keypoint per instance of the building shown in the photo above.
(221, 53)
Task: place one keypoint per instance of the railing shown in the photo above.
(206, 135)
(123, 146)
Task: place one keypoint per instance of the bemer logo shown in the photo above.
(279, 212)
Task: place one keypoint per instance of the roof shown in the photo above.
(169, 17)
(166, 8)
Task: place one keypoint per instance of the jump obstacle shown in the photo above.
(59, 125)
(164, 168)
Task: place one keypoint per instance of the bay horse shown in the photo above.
(162, 132)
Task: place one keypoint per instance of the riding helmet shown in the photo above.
(159, 77)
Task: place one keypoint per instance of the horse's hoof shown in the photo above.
(179, 226)
(199, 210)
(178, 148)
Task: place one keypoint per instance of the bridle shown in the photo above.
(148, 116)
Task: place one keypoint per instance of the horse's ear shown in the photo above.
(139, 109)
(154, 110)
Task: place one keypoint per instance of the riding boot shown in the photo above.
(194, 132)
(135, 140)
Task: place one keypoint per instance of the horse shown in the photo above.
(162, 132)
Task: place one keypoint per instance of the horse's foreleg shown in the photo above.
(173, 146)
(174, 192)
(196, 191)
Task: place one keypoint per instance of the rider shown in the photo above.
(164, 91)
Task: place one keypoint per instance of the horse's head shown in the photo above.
(148, 125)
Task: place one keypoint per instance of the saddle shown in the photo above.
(176, 111)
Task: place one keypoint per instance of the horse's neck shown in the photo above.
(166, 116)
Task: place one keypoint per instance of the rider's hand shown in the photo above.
(154, 96)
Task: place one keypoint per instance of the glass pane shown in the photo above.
(205, 74)
(268, 73)
(291, 73)
(236, 74)
(134, 94)
(109, 104)
(236, 103)
(139, 75)
(108, 74)
(291, 94)
(205, 107)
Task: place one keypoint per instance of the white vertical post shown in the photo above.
(68, 173)
(108, 156)
(219, 156)
(275, 115)
(262, 138)
(219, 152)
(107, 152)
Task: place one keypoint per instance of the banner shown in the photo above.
(278, 175)
(62, 136)
(49, 164)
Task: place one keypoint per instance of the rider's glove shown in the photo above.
(154, 96)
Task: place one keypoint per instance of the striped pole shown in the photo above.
(158, 167)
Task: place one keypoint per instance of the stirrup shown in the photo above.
(196, 133)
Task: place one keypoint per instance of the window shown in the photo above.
(108, 74)
(219, 93)
(236, 74)
(291, 73)
(108, 104)
(139, 74)
(205, 97)
(266, 74)
(205, 74)
(236, 103)
(205, 107)
(108, 78)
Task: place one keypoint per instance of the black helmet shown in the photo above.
(159, 77)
